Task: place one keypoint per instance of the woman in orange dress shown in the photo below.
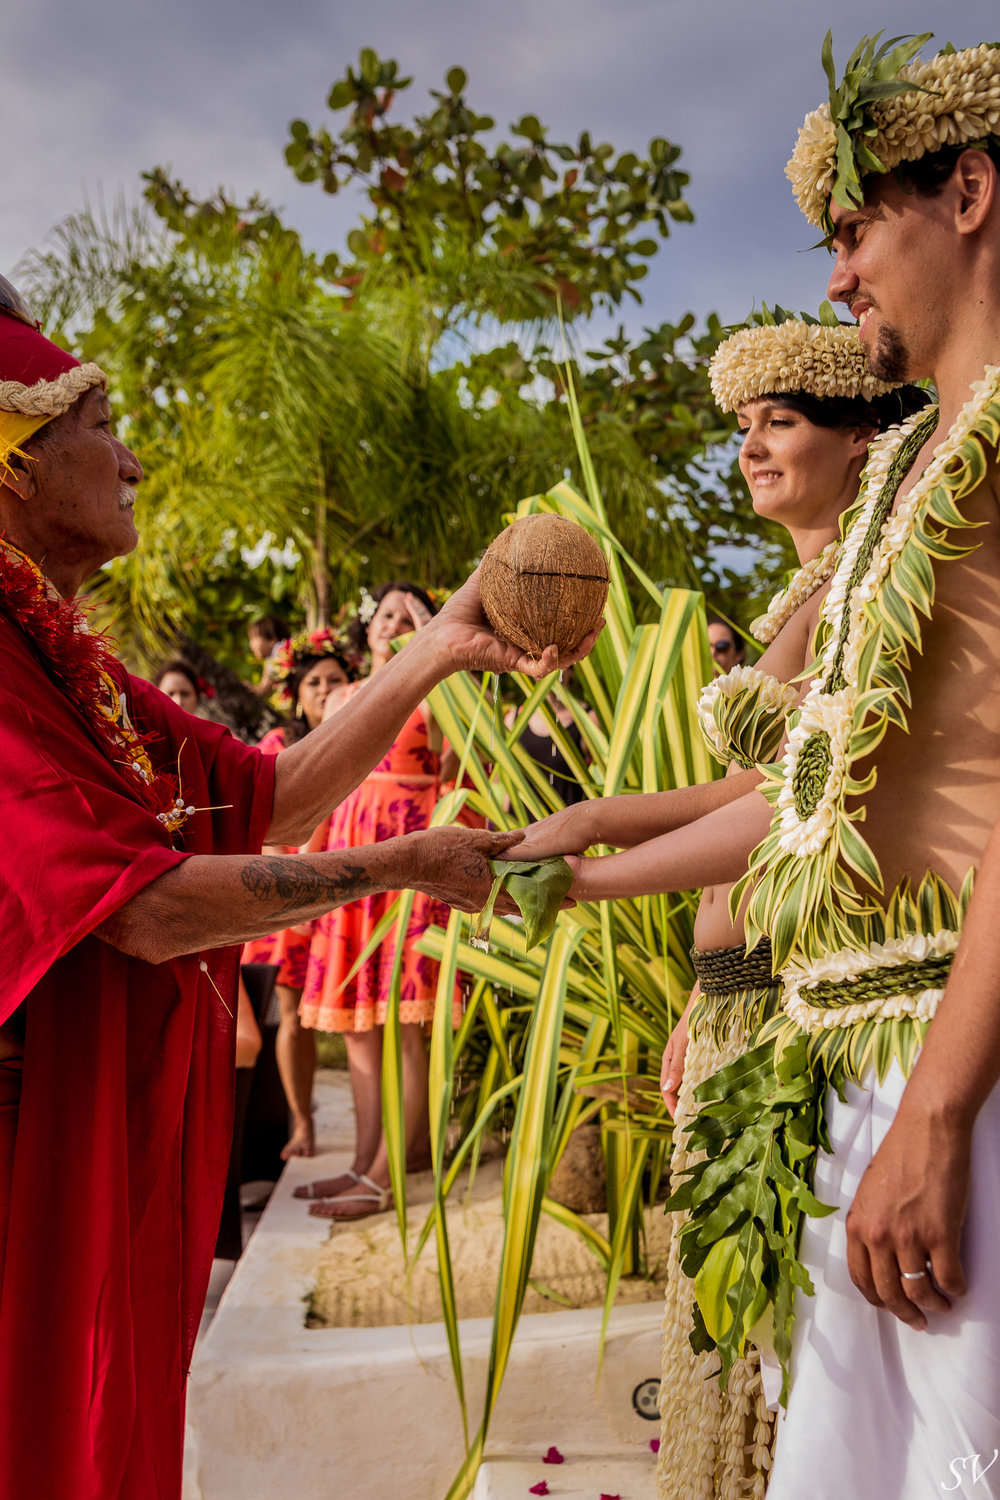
(310, 670)
(398, 797)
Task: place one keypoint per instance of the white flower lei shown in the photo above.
(803, 584)
(851, 963)
(831, 713)
(834, 712)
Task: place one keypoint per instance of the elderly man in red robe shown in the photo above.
(131, 870)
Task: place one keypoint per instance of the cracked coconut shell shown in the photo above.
(544, 581)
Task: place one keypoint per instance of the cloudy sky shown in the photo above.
(94, 94)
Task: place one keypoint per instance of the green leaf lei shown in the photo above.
(742, 716)
(814, 882)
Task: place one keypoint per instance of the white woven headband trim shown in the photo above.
(50, 398)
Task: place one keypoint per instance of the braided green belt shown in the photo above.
(722, 970)
(876, 993)
(736, 986)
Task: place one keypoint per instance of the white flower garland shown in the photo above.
(803, 584)
(852, 963)
(834, 713)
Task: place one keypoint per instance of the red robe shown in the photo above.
(114, 1179)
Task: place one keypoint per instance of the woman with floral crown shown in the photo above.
(807, 410)
(308, 671)
(399, 796)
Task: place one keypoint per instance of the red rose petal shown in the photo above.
(553, 1457)
(654, 1445)
(611, 1497)
(541, 1488)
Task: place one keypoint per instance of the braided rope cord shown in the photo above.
(812, 771)
(50, 398)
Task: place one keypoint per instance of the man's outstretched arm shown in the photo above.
(909, 1210)
(212, 900)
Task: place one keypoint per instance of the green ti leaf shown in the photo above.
(761, 1123)
(536, 886)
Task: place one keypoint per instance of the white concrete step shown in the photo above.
(279, 1410)
(631, 1476)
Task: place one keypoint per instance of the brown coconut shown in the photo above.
(544, 581)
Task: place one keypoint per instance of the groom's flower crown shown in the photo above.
(889, 109)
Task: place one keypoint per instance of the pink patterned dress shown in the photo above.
(397, 797)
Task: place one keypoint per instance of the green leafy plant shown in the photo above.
(759, 1126)
(536, 886)
(571, 1030)
(563, 220)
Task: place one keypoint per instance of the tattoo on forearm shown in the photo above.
(289, 885)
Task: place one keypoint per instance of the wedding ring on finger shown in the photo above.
(916, 1275)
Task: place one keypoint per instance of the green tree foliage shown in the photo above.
(255, 404)
(446, 202)
(374, 412)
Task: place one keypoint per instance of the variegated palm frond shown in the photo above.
(575, 1028)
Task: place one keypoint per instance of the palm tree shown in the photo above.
(364, 426)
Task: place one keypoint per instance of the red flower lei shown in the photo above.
(79, 661)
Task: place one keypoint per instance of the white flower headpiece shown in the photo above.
(953, 100)
(815, 358)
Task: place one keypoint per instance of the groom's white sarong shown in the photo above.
(878, 1411)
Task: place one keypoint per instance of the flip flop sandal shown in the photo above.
(308, 1189)
(378, 1197)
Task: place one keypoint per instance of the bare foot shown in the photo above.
(301, 1142)
(365, 1198)
(328, 1187)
